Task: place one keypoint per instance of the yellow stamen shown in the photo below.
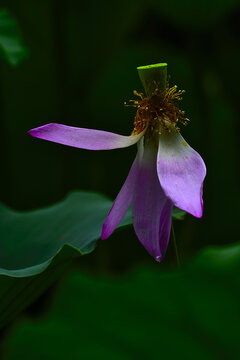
(158, 109)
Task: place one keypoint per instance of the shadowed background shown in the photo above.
(80, 70)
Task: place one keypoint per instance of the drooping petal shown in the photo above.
(181, 172)
(124, 198)
(151, 208)
(84, 138)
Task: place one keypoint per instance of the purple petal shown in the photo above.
(123, 200)
(84, 138)
(152, 210)
(181, 172)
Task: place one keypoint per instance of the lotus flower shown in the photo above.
(165, 172)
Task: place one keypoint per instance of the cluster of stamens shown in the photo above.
(158, 111)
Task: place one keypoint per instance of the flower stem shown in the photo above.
(175, 247)
(152, 74)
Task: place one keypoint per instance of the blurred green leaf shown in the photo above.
(45, 239)
(178, 214)
(30, 240)
(10, 42)
(191, 314)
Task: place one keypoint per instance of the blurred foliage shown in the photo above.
(178, 214)
(191, 314)
(10, 42)
(45, 239)
(76, 221)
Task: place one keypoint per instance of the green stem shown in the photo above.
(175, 247)
(152, 74)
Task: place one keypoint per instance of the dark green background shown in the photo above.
(80, 70)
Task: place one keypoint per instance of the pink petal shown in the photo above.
(84, 138)
(181, 172)
(151, 208)
(123, 200)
